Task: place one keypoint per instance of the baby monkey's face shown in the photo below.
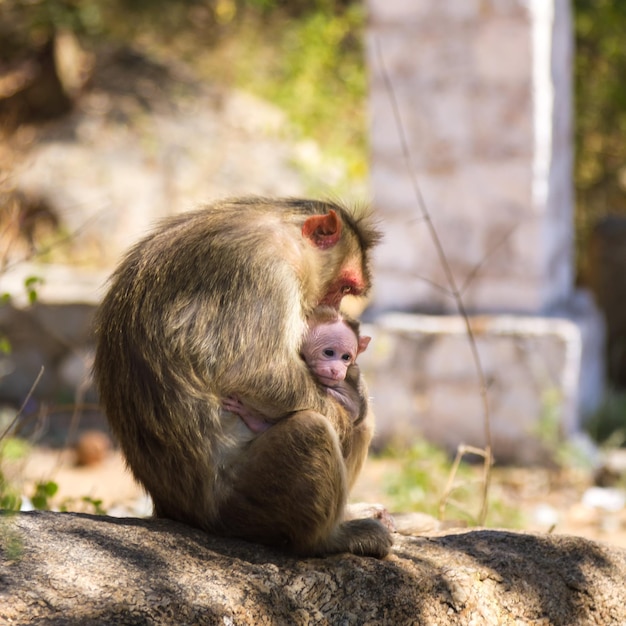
(329, 349)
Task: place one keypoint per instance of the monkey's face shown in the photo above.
(350, 281)
(343, 268)
(329, 350)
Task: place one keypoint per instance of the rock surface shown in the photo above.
(78, 569)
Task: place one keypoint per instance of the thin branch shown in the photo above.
(54, 244)
(79, 403)
(8, 429)
(476, 269)
(461, 451)
(454, 290)
(440, 288)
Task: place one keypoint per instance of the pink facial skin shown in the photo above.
(350, 282)
(329, 350)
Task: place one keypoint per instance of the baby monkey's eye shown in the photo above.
(329, 352)
(346, 357)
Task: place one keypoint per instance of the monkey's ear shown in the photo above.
(364, 341)
(322, 231)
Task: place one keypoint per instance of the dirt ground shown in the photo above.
(565, 504)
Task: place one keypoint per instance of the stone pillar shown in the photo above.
(484, 92)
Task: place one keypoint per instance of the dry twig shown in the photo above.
(456, 293)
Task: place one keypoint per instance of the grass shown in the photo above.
(420, 479)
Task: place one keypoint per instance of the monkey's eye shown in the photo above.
(329, 352)
(346, 357)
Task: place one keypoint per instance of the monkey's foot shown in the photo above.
(363, 537)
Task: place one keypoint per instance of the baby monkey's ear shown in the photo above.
(363, 343)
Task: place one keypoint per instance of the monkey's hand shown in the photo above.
(251, 418)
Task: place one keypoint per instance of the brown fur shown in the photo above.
(214, 304)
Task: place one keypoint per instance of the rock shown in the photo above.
(60, 568)
(53, 336)
(92, 447)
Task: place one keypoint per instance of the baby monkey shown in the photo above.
(330, 347)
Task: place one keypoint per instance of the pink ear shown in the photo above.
(363, 343)
(323, 231)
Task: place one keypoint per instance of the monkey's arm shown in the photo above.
(348, 398)
(352, 394)
(274, 382)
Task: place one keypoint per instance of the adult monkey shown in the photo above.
(212, 304)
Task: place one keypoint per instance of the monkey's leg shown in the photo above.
(290, 490)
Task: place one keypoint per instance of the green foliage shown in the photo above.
(5, 345)
(299, 7)
(13, 449)
(608, 425)
(10, 499)
(600, 169)
(548, 427)
(81, 17)
(562, 451)
(305, 56)
(420, 480)
(419, 483)
(30, 285)
(319, 78)
(312, 67)
(44, 491)
(29, 23)
(86, 504)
